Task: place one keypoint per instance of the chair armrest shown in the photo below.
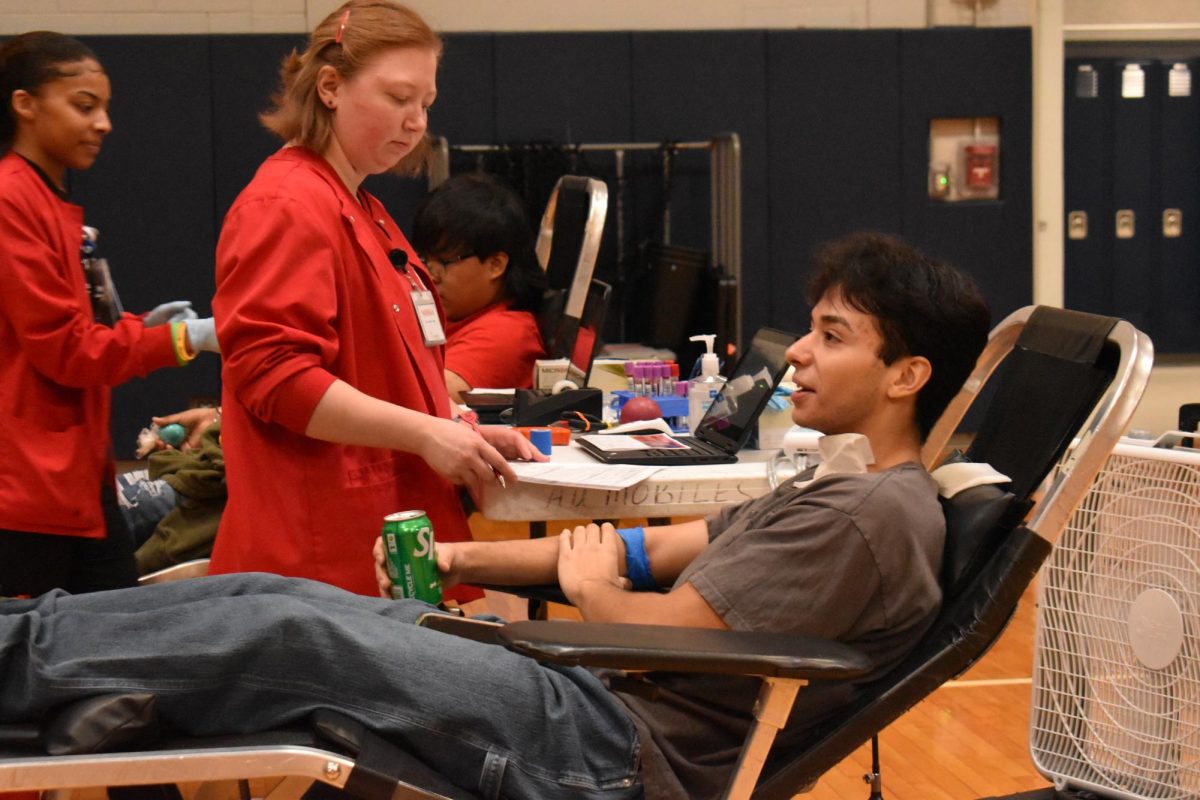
(658, 647)
(477, 630)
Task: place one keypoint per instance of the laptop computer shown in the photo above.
(726, 425)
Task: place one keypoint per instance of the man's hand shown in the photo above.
(381, 577)
(588, 555)
(588, 561)
(445, 553)
(449, 564)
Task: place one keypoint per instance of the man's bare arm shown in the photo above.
(589, 571)
(670, 548)
(523, 562)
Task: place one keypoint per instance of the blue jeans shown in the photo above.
(243, 653)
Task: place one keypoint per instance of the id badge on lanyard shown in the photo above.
(427, 316)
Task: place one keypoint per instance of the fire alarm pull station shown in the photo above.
(979, 176)
(964, 159)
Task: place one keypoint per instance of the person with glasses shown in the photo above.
(334, 408)
(474, 237)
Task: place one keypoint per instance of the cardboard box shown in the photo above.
(549, 371)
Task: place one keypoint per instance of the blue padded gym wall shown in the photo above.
(151, 196)
(835, 137)
(972, 73)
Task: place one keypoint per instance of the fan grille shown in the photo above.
(1116, 693)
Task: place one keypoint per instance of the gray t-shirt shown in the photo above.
(851, 557)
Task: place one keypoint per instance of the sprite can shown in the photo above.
(408, 546)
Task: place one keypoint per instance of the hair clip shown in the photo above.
(342, 27)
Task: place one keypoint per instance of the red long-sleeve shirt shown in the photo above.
(56, 364)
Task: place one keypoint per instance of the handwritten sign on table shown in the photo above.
(715, 493)
(669, 491)
(590, 476)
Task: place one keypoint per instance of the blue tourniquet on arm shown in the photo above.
(637, 564)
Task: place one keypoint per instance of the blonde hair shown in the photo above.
(346, 40)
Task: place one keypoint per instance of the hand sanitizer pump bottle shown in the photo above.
(703, 390)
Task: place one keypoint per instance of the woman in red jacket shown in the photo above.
(59, 523)
(335, 411)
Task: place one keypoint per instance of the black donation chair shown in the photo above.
(1062, 396)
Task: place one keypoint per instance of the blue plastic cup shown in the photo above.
(541, 440)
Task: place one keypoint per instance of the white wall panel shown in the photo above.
(179, 16)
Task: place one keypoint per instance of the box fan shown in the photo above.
(1116, 685)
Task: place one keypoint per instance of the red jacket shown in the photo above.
(306, 295)
(495, 348)
(56, 364)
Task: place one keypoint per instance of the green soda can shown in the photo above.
(411, 564)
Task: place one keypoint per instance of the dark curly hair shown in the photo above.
(923, 307)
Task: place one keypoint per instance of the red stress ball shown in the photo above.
(639, 408)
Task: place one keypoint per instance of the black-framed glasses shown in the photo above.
(439, 266)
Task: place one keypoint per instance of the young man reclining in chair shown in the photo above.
(853, 554)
